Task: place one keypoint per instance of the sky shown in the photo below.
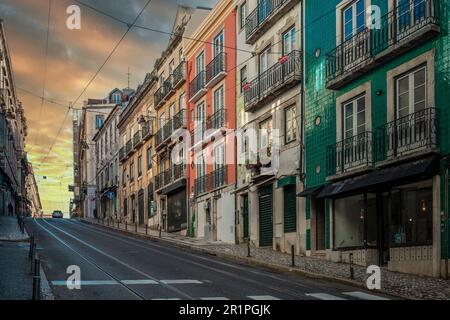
(73, 57)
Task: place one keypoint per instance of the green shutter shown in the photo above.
(266, 217)
(290, 209)
(245, 216)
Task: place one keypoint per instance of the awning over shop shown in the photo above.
(420, 169)
(310, 191)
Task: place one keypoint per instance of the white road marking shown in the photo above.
(214, 298)
(169, 299)
(136, 282)
(263, 298)
(181, 281)
(86, 283)
(364, 296)
(324, 296)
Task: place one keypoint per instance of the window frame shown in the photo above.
(293, 130)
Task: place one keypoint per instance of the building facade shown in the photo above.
(13, 131)
(136, 157)
(212, 122)
(107, 161)
(93, 116)
(34, 205)
(270, 117)
(377, 132)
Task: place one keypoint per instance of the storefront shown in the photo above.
(386, 217)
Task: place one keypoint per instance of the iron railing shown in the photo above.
(178, 171)
(179, 74)
(398, 27)
(217, 66)
(200, 185)
(262, 13)
(159, 181)
(286, 70)
(147, 130)
(349, 154)
(128, 147)
(413, 133)
(217, 178)
(198, 133)
(217, 120)
(179, 120)
(122, 154)
(161, 94)
(137, 139)
(197, 84)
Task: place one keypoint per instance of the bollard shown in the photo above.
(126, 225)
(36, 288)
(37, 267)
(293, 256)
(33, 258)
(248, 248)
(30, 253)
(118, 224)
(136, 228)
(160, 232)
(146, 229)
(352, 270)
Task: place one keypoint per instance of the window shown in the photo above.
(219, 156)
(265, 138)
(354, 117)
(181, 55)
(200, 63)
(132, 172)
(290, 209)
(264, 59)
(290, 128)
(116, 97)
(353, 19)
(171, 66)
(412, 215)
(149, 158)
(201, 168)
(410, 12)
(125, 207)
(139, 166)
(99, 120)
(243, 73)
(218, 44)
(411, 93)
(182, 101)
(289, 41)
(161, 80)
(242, 15)
(124, 176)
(218, 100)
(150, 201)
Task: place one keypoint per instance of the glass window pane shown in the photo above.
(349, 222)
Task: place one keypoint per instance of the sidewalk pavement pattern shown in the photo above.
(10, 231)
(398, 284)
(16, 280)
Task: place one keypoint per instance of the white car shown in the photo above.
(57, 214)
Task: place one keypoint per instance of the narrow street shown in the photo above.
(115, 266)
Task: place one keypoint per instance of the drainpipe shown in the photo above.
(302, 93)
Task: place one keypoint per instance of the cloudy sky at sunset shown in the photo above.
(73, 58)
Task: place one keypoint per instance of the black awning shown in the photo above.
(401, 174)
(310, 191)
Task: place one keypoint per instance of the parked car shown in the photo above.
(57, 214)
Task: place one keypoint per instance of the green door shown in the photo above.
(245, 215)
(290, 209)
(266, 216)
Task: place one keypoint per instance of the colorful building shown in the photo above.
(211, 64)
(377, 134)
(270, 119)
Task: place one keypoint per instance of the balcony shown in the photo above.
(197, 87)
(122, 155)
(217, 120)
(147, 130)
(401, 30)
(170, 85)
(264, 16)
(163, 136)
(137, 139)
(216, 70)
(179, 120)
(169, 177)
(410, 136)
(349, 156)
(129, 148)
(282, 76)
(212, 181)
(198, 134)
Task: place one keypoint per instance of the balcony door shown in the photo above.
(218, 44)
(410, 12)
(411, 95)
(171, 116)
(354, 43)
(264, 9)
(218, 105)
(355, 144)
(200, 120)
(200, 63)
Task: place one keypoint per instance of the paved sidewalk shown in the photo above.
(393, 283)
(10, 231)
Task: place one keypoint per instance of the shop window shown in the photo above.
(320, 224)
(412, 215)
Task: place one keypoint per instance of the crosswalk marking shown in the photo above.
(214, 298)
(364, 296)
(263, 298)
(181, 281)
(324, 296)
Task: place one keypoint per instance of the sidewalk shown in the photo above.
(10, 231)
(16, 280)
(393, 283)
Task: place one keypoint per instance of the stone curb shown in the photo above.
(247, 261)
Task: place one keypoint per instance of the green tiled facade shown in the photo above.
(320, 117)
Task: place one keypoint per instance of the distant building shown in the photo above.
(13, 130)
(34, 206)
(93, 115)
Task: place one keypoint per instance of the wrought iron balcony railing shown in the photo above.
(412, 134)
(159, 181)
(217, 178)
(171, 84)
(122, 154)
(147, 130)
(197, 86)
(350, 154)
(137, 139)
(128, 147)
(179, 74)
(266, 11)
(217, 120)
(400, 30)
(200, 185)
(198, 133)
(216, 69)
(281, 76)
(179, 120)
